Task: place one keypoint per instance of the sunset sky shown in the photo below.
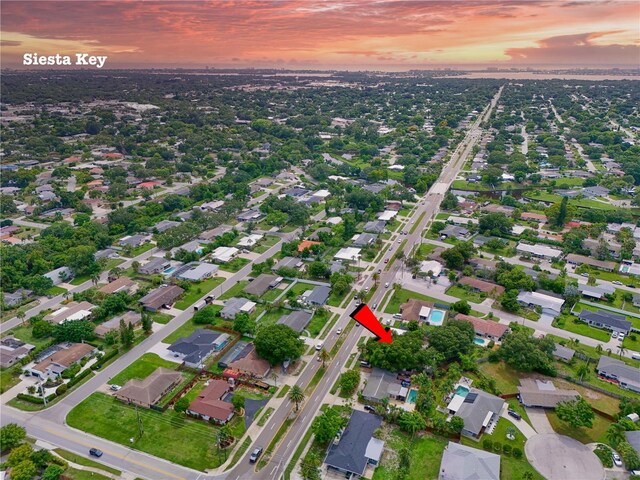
(351, 34)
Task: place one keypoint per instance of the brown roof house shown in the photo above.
(122, 284)
(416, 310)
(63, 358)
(70, 312)
(485, 328)
(543, 393)
(162, 296)
(209, 405)
(479, 285)
(150, 390)
(251, 365)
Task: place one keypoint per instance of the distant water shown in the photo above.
(543, 76)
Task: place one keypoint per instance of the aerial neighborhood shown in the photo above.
(180, 262)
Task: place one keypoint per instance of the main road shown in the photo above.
(49, 425)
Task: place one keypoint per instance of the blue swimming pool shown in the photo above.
(462, 391)
(411, 398)
(480, 341)
(169, 270)
(436, 317)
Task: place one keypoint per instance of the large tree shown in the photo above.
(11, 435)
(73, 331)
(326, 426)
(453, 339)
(526, 353)
(276, 343)
(577, 413)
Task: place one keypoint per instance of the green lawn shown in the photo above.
(186, 329)
(400, 296)
(464, 294)
(9, 377)
(234, 265)
(570, 324)
(300, 287)
(75, 474)
(55, 290)
(507, 379)
(197, 291)
(597, 433)
(425, 456)
(162, 318)
(265, 244)
(106, 417)
(269, 318)
(25, 334)
(235, 291)
(142, 368)
(80, 280)
(87, 462)
(141, 249)
(318, 321)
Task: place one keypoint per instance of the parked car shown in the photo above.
(514, 414)
(617, 282)
(365, 364)
(397, 315)
(614, 334)
(635, 356)
(621, 336)
(94, 452)
(584, 275)
(631, 285)
(369, 408)
(255, 455)
(115, 388)
(617, 461)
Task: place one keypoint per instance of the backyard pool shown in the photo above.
(436, 317)
(169, 270)
(411, 398)
(480, 341)
(462, 391)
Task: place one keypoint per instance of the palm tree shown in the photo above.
(375, 277)
(599, 349)
(21, 316)
(94, 279)
(615, 434)
(583, 370)
(621, 350)
(608, 352)
(296, 395)
(412, 422)
(324, 356)
(274, 376)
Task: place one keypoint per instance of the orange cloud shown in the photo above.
(316, 32)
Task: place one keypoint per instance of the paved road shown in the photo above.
(53, 301)
(27, 223)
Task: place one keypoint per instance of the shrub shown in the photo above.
(506, 449)
(487, 444)
(497, 447)
(181, 405)
(517, 453)
(62, 389)
(78, 377)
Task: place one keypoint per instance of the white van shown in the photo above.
(635, 356)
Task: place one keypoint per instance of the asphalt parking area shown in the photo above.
(557, 457)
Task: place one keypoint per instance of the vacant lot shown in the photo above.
(142, 368)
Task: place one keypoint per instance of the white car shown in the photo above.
(617, 461)
(339, 331)
(319, 346)
(115, 388)
(386, 285)
(614, 335)
(617, 282)
(621, 336)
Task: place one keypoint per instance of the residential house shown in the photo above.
(539, 251)
(549, 305)
(414, 309)
(356, 447)
(364, 239)
(162, 297)
(543, 393)
(288, 262)
(12, 350)
(212, 234)
(113, 324)
(249, 364)
(211, 206)
(387, 215)
(318, 296)
(624, 375)
(192, 246)
(607, 320)
(383, 384)
(460, 462)
(297, 320)
(70, 312)
(533, 217)
(121, 284)
(197, 347)
(196, 271)
(479, 285)
(59, 275)
(633, 437)
(16, 298)
(453, 231)
(305, 244)
(262, 283)
(65, 356)
(575, 259)
(149, 391)
(250, 241)
(563, 353)
(224, 254)
(249, 215)
(133, 240)
(164, 225)
(209, 404)
(348, 254)
(155, 265)
(596, 291)
(375, 226)
(432, 266)
(485, 328)
(479, 410)
(234, 306)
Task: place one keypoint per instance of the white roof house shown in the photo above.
(349, 254)
(198, 271)
(463, 220)
(224, 254)
(250, 240)
(321, 193)
(431, 265)
(333, 220)
(550, 305)
(542, 251)
(387, 215)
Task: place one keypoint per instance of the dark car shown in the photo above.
(514, 414)
(631, 285)
(405, 383)
(255, 455)
(369, 408)
(94, 452)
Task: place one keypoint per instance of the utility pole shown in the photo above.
(44, 396)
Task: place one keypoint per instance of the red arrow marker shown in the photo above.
(365, 317)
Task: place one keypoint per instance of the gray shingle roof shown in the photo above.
(460, 462)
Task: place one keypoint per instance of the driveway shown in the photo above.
(539, 420)
(557, 457)
(521, 425)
